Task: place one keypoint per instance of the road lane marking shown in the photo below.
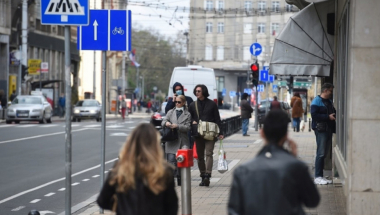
(95, 176)
(2, 126)
(105, 172)
(35, 201)
(46, 126)
(258, 141)
(25, 126)
(49, 194)
(38, 136)
(132, 127)
(119, 134)
(75, 184)
(55, 181)
(18, 208)
(232, 164)
(91, 126)
(86, 179)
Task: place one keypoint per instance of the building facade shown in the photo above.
(5, 33)
(222, 31)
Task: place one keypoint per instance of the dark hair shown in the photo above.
(326, 86)
(275, 98)
(204, 90)
(297, 95)
(244, 96)
(275, 126)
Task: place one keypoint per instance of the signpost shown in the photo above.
(255, 49)
(264, 76)
(282, 83)
(302, 84)
(67, 13)
(271, 78)
(248, 91)
(260, 88)
(274, 88)
(34, 66)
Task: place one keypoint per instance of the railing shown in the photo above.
(231, 125)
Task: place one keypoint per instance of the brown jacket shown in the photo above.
(296, 104)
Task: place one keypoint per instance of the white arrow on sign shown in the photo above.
(95, 30)
(256, 50)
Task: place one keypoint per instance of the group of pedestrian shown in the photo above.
(275, 182)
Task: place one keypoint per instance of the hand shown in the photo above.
(174, 97)
(332, 116)
(168, 124)
(174, 126)
(195, 123)
(221, 137)
(293, 147)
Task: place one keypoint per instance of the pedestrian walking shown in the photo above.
(177, 91)
(141, 182)
(123, 106)
(61, 105)
(177, 118)
(13, 96)
(246, 113)
(149, 106)
(3, 99)
(323, 124)
(297, 111)
(275, 104)
(275, 181)
(208, 112)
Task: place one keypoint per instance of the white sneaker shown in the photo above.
(327, 180)
(320, 181)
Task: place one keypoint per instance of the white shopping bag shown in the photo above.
(302, 125)
(222, 162)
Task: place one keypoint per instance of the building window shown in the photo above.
(220, 27)
(61, 31)
(274, 28)
(220, 53)
(208, 54)
(219, 83)
(275, 6)
(248, 5)
(246, 53)
(261, 27)
(220, 5)
(208, 5)
(247, 28)
(289, 8)
(208, 27)
(261, 6)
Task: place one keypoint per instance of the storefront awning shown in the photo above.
(304, 47)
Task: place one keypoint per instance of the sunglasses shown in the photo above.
(177, 102)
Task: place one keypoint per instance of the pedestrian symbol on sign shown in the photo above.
(64, 7)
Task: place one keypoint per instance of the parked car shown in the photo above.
(262, 106)
(87, 109)
(29, 108)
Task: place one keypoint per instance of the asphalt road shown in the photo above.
(32, 162)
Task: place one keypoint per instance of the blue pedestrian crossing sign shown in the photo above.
(256, 49)
(274, 88)
(109, 30)
(260, 88)
(232, 93)
(264, 76)
(65, 12)
(271, 78)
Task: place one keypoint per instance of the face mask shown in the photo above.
(178, 92)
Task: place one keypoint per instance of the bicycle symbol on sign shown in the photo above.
(118, 31)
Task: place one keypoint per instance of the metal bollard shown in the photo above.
(185, 161)
(34, 212)
(309, 124)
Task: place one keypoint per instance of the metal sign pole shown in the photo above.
(267, 95)
(68, 120)
(256, 110)
(40, 78)
(103, 142)
(19, 79)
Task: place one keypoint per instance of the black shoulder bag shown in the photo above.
(169, 134)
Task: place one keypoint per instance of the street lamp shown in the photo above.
(142, 87)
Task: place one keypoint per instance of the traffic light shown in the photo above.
(255, 73)
(24, 72)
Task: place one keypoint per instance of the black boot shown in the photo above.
(203, 178)
(206, 180)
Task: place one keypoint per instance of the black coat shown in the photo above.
(246, 109)
(208, 112)
(141, 201)
(272, 185)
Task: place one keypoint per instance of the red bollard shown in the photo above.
(185, 161)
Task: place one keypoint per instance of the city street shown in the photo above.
(32, 159)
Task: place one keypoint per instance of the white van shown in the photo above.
(192, 75)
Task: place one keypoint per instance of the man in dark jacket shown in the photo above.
(208, 112)
(275, 104)
(177, 90)
(323, 124)
(13, 95)
(275, 182)
(246, 113)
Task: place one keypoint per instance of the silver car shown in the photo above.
(29, 108)
(87, 109)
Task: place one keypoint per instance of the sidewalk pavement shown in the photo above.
(214, 199)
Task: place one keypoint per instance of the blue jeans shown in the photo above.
(296, 123)
(245, 123)
(324, 140)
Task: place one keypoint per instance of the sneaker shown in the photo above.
(327, 180)
(320, 181)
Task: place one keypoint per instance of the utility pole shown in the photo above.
(24, 36)
(94, 78)
(123, 62)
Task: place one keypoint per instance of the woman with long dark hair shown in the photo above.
(141, 182)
